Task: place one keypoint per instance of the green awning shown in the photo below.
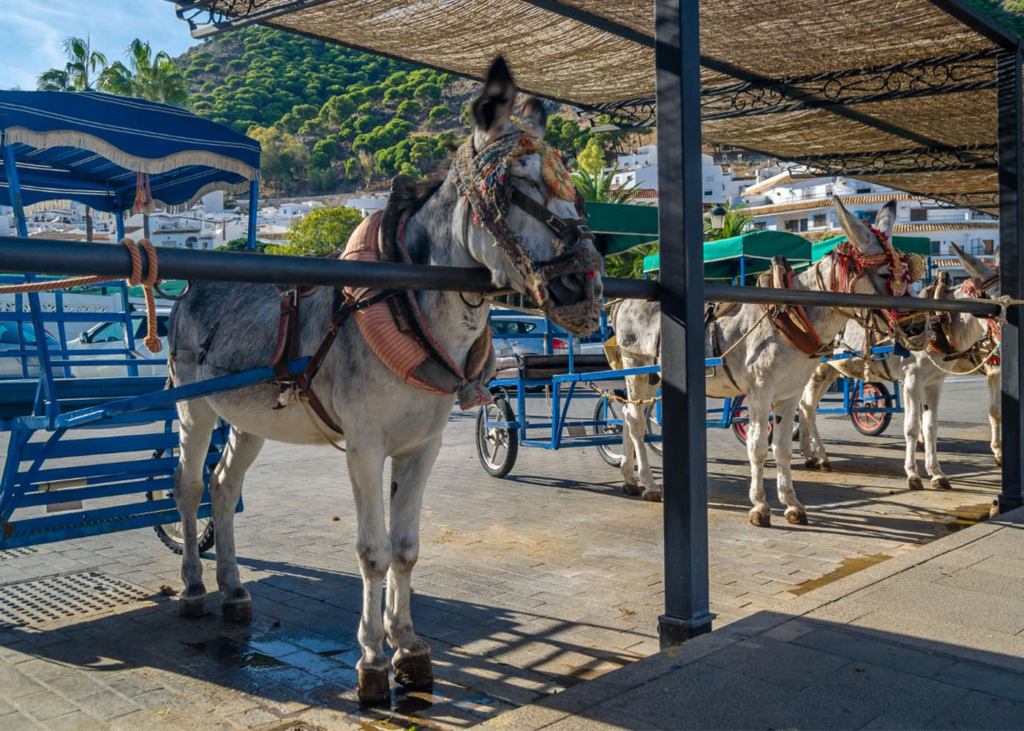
(619, 227)
(756, 249)
(908, 244)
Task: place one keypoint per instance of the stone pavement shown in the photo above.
(933, 639)
(525, 587)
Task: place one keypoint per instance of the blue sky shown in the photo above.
(32, 30)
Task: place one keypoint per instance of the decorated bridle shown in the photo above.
(484, 179)
(976, 288)
(850, 265)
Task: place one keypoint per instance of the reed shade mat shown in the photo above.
(594, 52)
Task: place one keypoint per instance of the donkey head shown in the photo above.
(984, 279)
(520, 215)
(877, 263)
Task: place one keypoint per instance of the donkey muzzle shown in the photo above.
(569, 289)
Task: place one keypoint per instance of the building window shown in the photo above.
(820, 220)
(918, 214)
(936, 247)
(862, 191)
(797, 225)
(759, 225)
(975, 247)
(190, 242)
(989, 245)
(708, 193)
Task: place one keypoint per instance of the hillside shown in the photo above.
(332, 119)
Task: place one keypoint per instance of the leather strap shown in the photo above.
(791, 320)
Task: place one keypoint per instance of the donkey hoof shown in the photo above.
(192, 607)
(631, 488)
(941, 482)
(652, 496)
(796, 516)
(239, 612)
(761, 520)
(373, 687)
(914, 483)
(825, 466)
(999, 459)
(811, 462)
(414, 672)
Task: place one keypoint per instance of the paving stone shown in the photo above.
(992, 680)
(106, 705)
(870, 650)
(77, 721)
(45, 706)
(980, 711)
(778, 663)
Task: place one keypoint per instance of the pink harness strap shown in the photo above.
(399, 351)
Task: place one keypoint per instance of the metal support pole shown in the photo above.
(1011, 232)
(254, 192)
(119, 218)
(46, 397)
(681, 228)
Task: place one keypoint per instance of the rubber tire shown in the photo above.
(883, 392)
(512, 443)
(611, 458)
(656, 447)
(206, 538)
(741, 437)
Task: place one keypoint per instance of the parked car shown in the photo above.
(11, 365)
(518, 334)
(110, 335)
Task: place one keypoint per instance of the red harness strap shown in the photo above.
(791, 320)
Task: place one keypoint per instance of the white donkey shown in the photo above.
(544, 251)
(923, 374)
(759, 362)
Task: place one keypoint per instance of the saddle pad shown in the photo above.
(399, 351)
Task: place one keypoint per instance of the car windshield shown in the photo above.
(9, 334)
(139, 327)
(512, 327)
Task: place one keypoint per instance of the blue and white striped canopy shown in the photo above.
(88, 147)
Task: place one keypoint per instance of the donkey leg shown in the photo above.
(638, 430)
(408, 480)
(196, 420)
(995, 414)
(225, 489)
(758, 408)
(782, 445)
(930, 427)
(628, 466)
(913, 397)
(373, 546)
(811, 445)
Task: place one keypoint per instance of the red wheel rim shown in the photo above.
(739, 413)
(871, 395)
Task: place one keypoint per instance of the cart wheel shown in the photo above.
(741, 423)
(871, 423)
(610, 453)
(497, 447)
(171, 535)
(653, 427)
(739, 426)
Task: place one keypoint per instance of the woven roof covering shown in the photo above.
(810, 205)
(812, 81)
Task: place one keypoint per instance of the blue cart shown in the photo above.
(89, 456)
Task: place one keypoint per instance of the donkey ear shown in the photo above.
(974, 266)
(534, 116)
(493, 108)
(857, 232)
(885, 221)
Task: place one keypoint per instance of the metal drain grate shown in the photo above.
(59, 597)
(16, 552)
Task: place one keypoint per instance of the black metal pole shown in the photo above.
(45, 256)
(1011, 232)
(681, 231)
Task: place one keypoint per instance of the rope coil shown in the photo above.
(152, 341)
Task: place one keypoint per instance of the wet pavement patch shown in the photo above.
(848, 566)
(235, 654)
(964, 516)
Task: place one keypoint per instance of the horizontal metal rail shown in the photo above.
(44, 256)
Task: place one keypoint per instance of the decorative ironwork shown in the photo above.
(928, 77)
(631, 114)
(209, 17)
(976, 201)
(900, 162)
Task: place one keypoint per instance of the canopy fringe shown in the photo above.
(71, 138)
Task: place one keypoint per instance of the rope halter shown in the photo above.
(485, 180)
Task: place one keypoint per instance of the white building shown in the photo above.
(639, 170)
(802, 204)
(367, 204)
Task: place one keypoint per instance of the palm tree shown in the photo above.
(84, 66)
(147, 75)
(736, 220)
(598, 187)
